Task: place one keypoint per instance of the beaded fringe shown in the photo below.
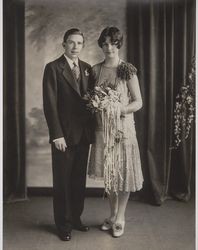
(112, 149)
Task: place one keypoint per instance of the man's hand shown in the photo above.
(60, 144)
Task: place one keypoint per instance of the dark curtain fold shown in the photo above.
(14, 183)
(161, 44)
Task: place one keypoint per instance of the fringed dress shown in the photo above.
(128, 176)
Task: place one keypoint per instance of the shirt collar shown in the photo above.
(71, 62)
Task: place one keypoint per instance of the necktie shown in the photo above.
(76, 71)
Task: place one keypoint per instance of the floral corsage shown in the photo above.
(86, 72)
(125, 71)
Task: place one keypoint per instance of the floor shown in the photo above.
(29, 226)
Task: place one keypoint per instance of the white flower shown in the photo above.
(95, 104)
(97, 99)
(86, 72)
(189, 99)
(97, 88)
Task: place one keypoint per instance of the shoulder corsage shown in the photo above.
(125, 71)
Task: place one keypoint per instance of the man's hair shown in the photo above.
(114, 34)
(73, 31)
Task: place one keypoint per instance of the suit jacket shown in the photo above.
(64, 108)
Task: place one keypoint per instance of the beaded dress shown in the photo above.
(129, 176)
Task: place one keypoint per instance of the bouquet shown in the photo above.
(102, 97)
(105, 99)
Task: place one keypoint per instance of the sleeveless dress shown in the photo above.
(130, 176)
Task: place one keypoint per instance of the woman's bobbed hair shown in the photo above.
(114, 34)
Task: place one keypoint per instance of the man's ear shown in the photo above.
(63, 44)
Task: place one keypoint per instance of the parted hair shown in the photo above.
(115, 35)
(73, 31)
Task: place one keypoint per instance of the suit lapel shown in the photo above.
(67, 73)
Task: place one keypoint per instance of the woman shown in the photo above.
(126, 166)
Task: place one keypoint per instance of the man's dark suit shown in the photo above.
(67, 117)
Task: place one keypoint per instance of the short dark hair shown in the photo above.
(115, 35)
(73, 31)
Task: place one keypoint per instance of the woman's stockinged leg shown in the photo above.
(122, 203)
(113, 202)
(119, 224)
(118, 203)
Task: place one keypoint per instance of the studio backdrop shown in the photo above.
(45, 25)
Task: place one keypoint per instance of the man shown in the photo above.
(65, 82)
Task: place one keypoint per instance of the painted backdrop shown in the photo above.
(45, 24)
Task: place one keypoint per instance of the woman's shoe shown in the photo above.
(107, 225)
(118, 229)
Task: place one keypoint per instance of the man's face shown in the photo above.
(73, 46)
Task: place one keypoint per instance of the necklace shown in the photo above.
(115, 82)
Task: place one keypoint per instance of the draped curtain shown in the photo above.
(14, 183)
(161, 44)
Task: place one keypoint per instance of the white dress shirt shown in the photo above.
(71, 62)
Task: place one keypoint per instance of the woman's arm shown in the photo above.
(136, 104)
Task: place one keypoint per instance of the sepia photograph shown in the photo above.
(99, 124)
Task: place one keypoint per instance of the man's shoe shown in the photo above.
(81, 227)
(64, 236)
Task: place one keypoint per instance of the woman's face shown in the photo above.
(110, 50)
